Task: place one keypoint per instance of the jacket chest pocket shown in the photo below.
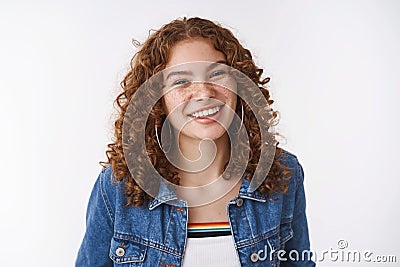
(262, 252)
(285, 234)
(127, 250)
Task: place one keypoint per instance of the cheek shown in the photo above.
(167, 105)
(171, 100)
(230, 96)
(228, 91)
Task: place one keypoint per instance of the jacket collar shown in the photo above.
(166, 194)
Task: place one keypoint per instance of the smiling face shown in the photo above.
(200, 94)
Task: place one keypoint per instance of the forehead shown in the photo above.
(194, 49)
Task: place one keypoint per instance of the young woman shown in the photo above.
(195, 109)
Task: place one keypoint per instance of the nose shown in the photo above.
(202, 91)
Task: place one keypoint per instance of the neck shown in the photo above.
(205, 159)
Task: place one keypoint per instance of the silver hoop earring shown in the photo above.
(158, 140)
(241, 122)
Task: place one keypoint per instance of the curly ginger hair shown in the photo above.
(151, 58)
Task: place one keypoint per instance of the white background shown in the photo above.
(334, 68)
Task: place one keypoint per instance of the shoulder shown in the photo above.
(291, 161)
(293, 198)
(288, 158)
(107, 179)
(109, 187)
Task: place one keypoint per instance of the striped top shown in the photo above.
(209, 229)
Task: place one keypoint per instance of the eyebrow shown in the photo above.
(216, 64)
(175, 73)
(185, 72)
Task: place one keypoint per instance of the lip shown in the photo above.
(205, 108)
(208, 120)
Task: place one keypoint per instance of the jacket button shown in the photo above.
(254, 257)
(239, 202)
(120, 252)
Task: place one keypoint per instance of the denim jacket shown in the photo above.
(266, 232)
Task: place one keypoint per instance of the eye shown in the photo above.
(217, 73)
(180, 82)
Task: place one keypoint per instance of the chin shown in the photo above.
(213, 135)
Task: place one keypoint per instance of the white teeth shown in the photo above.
(207, 112)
